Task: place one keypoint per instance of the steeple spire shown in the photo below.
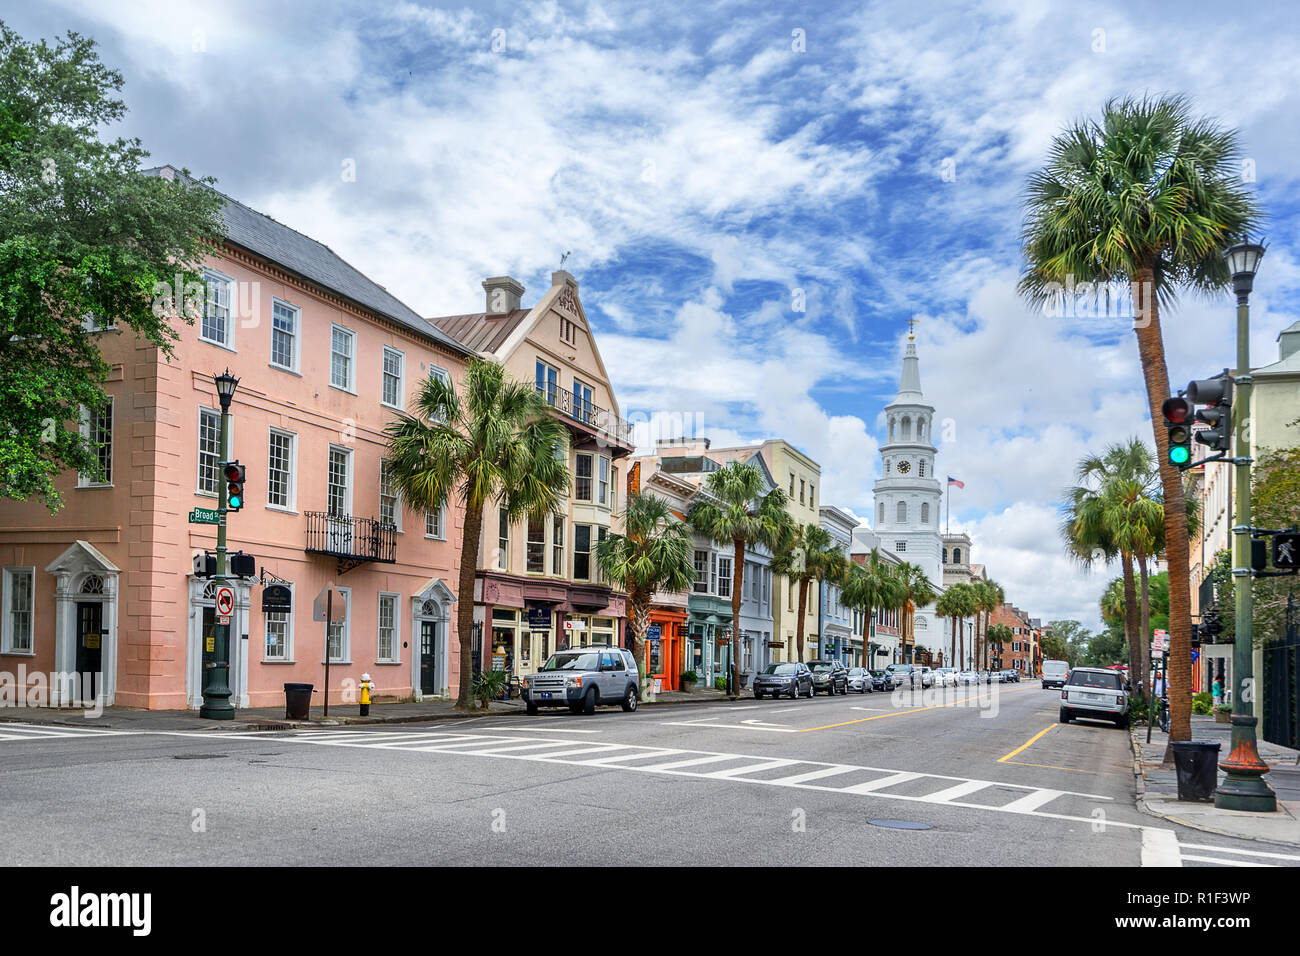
(909, 384)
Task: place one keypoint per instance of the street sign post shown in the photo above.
(328, 611)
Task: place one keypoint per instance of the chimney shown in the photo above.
(503, 294)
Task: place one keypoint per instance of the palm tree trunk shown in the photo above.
(737, 585)
(469, 548)
(1131, 622)
(1151, 350)
(638, 622)
(1144, 648)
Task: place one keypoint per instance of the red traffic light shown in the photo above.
(234, 472)
(1176, 410)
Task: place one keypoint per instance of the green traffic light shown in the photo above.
(1179, 455)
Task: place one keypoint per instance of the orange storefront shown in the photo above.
(664, 646)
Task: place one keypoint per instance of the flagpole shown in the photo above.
(947, 520)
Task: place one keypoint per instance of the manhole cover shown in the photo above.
(197, 756)
(901, 824)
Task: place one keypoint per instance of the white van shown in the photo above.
(1055, 673)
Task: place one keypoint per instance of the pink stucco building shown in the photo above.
(325, 358)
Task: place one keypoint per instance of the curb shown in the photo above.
(1142, 807)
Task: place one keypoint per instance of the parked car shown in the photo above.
(829, 677)
(968, 677)
(1094, 692)
(791, 678)
(927, 677)
(860, 679)
(1055, 673)
(582, 678)
(884, 680)
(945, 677)
(905, 675)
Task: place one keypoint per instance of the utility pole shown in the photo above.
(216, 675)
(1244, 787)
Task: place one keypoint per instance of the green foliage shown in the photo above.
(1275, 487)
(719, 683)
(1065, 641)
(489, 685)
(1202, 703)
(690, 677)
(82, 233)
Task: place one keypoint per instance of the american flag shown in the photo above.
(954, 481)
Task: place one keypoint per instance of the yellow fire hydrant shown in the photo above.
(367, 687)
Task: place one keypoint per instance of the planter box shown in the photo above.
(687, 688)
(1222, 718)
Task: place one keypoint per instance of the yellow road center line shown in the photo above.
(1023, 747)
(914, 710)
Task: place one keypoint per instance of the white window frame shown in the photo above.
(296, 335)
(84, 480)
(400, 404)
(288, 632)
(592, 540)
(211, 276)
(351, 386)
(590, 477)
(345, 639)
(557, 545)
(198, 453)
(441, 533)
(292, 506)
(503, 544)
(350, 477)
(603, 474)
(384, 464)
(7, 603)
(396, 656)
(723, 585)
(530, 543)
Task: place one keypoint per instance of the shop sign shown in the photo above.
(277, 597)
(654, 632)
(539, 618)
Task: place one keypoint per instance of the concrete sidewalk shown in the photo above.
(1157, 787)
(261, 718)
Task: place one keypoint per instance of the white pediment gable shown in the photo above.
(82, 556)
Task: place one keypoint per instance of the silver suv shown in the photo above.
(582, 677)
(1094, 692)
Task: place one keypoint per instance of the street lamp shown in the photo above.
(216, 672)
(1243, 788)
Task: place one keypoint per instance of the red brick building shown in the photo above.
(1021, 652)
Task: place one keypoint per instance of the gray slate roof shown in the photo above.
(316, 262)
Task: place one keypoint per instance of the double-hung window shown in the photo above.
(435, 524)
(17, 597)
(536, 546)
(279, 636)
(582, 552)
(280, 470)
(340, 632)
(389, 629)
(284, 335)
(209, 451)
(582, 407)
(557, 544)
(394, 370)
(582, 478)
(602, 489)
(343, 343)
(97, 429)
(217, 325)
(724, 577)
(701, 585)
(390, 512)
(503, 540)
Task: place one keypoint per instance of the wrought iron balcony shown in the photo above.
(354, 541)
(600, 421)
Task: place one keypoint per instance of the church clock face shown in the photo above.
(904, 467)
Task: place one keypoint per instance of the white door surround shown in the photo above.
(432, 603)
(83, 575)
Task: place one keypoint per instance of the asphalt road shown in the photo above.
(976, 776)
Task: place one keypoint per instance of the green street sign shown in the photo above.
(205, 516)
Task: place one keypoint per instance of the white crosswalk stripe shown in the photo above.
(51, 732)
(883, 783)
(1229, 856)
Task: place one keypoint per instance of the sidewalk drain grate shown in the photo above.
(901, 824)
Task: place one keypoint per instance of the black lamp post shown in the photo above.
(216, 673)
(1243, 788)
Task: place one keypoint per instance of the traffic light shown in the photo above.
(1286, 551)
(234, 473)
(205, 564)
(1216, 394)
(1258, 554)
(243, 565)
(1178, 427)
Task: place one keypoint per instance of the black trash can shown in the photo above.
(297, 701)
(1197, 766)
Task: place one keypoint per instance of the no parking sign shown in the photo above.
(225, 604)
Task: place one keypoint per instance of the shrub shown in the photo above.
(690, 677)
(1202, 703)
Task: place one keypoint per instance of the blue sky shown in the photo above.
(706, 165)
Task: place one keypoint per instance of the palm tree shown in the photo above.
(1150, 196)
(989, 596)
(918, 592)
(496, 446)
(808, 554)
(736, 511)
(1000, 635)
(956, 602)
(654, 555)
(872, 587)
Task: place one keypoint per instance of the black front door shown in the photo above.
(90, 636)
(428, 657)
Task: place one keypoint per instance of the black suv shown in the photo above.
(829, 676)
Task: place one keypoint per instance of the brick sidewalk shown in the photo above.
(253, 718)
(1157, 786)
